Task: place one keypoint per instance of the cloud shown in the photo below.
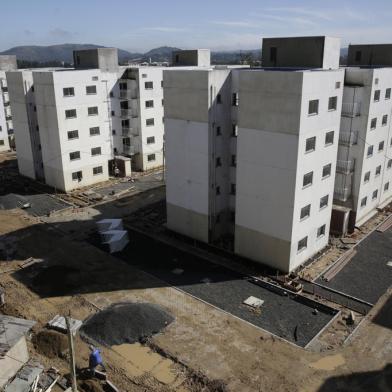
(303, 12)
(234, 23)
(164, 29)
(58, 33)
(28, 33)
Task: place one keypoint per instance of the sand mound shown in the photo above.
(126, 323)
(50, 343)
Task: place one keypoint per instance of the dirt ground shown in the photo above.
(204, 349)
(202, 340)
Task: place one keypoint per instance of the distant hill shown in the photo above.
(57, 54)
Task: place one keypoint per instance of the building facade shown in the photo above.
(7, 63)
(364, 167)
(251, 156)
(75, 127)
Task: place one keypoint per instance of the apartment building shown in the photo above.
(7, 63)
(364, 167)
(251, 154)
(75, 127)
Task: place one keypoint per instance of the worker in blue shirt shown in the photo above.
(95, 359)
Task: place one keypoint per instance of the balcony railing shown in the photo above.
(345, 167)
(342, 194)
(348, 138)
(125, 113)
(352, 109)
(129, 150)
(129, 131)
(125, 94)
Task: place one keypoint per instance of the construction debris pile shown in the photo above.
(126, 323)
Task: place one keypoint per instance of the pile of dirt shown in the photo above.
(126, 323)
(90, 386)
(50, 343)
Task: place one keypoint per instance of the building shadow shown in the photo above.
(384, 316)
(376, 381)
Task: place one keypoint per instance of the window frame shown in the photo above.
(93, 149)
(313, 101)
(68, 95)
(305, 210)
(75, 137)
(70, 117)
(89, 87)
(89, 111)
(334, 101)
(94, 134)
(311, 174)
(329, 165)
(326, 144)
(310, 139)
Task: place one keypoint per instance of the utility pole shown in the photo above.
(71, 353)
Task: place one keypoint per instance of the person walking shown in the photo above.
(95, 360)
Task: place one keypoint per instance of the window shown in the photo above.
(374, 195)
(378, 170)
(74, 155)
(381, 146)
(305, 212)
(313, 107)
(235, 99)
(321, 231)
(36, 127)
(77, 176)
(388, 93)
(329, 138)
(2, 142)
(111, 94)
(384, 120)
(376, 81)
(91, 90)
(389, 164)
(324, 201)
(332, 103)
(217, 190)
(151, 157)
(337, 85)
(303, 244)
(144, 76)
(162, 83)
(92, 111)
(327, 170)
(373, 123)
(363, 202)
(218, 162)
(370, 151)
(148, 85)
(68, 92)
(367, 177)
(123, 86)
(94, 78)
(149, 122)
(218, 131)
(386, 186)
(151, 140)
(95, 151)
(234, 131)
(149, 104)
(113, 131)
(97, 170)
(233, 189)
(377, 95)
(94, 131)
(70, 113)
(218, 98)
(310, 144)
(113, 113)
(73, 135)
(358, 56)
(163, 101)
(35, 108)
(308, 179)
(234, 160)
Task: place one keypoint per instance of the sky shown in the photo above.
(141, 25)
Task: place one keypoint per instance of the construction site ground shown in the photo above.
(204, 348)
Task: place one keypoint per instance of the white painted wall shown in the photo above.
(4, 144)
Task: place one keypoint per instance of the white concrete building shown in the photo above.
(364, 168)
(6, 127)
(251, 157)
(74, 127)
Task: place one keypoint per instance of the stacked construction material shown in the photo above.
(112, 234)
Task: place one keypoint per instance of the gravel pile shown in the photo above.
(126, 323)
